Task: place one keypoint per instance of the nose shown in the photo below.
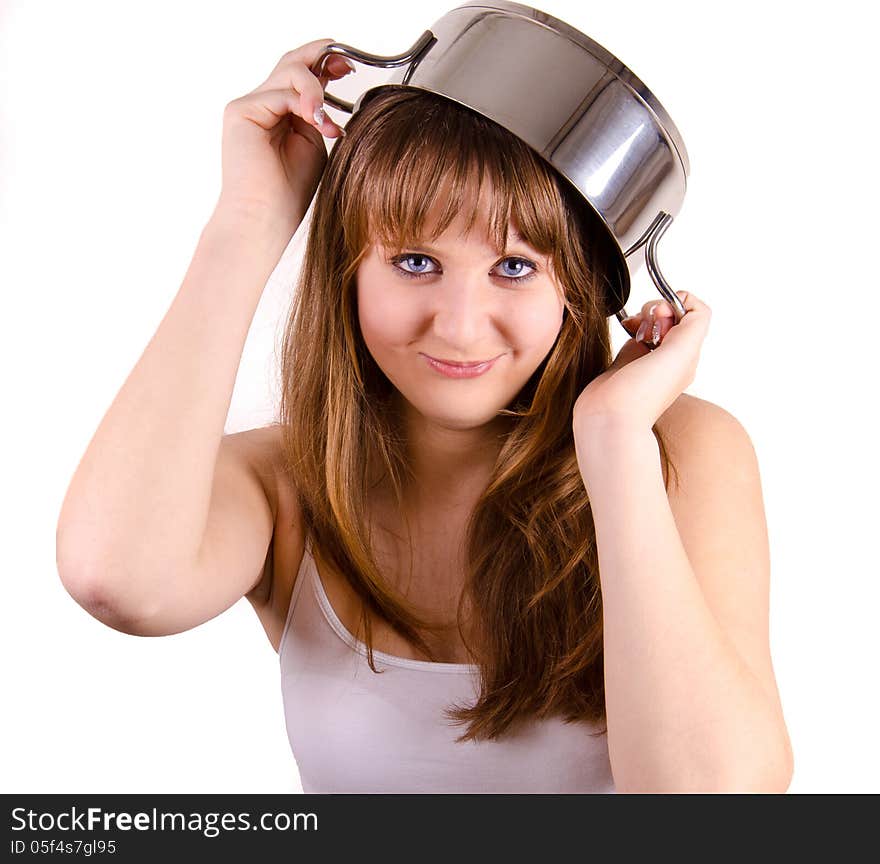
(463, 313)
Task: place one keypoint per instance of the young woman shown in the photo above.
(461, 537)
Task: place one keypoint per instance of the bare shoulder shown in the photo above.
(261, 446)
(699, 434)
(691, 421)
(261, 449)
(688, 409)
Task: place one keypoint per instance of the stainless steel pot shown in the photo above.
(571, 101)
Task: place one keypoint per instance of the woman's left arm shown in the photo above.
(691, 699)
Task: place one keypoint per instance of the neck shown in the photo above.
(445, 479)
(450, 467)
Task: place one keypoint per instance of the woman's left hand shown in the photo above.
(644, 381)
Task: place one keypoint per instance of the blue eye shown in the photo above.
(520, 262)
(423, 260)
(409, 256)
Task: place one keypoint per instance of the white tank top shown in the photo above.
(354, 731)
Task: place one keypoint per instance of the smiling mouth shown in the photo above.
(458, 369)
(462, 363)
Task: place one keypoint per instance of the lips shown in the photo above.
(459, 369)
(458, 362)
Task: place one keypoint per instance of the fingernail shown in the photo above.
(655, 327)
(319, 115)
(349, 64)
(641, 331)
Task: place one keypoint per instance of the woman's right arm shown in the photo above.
(135, 512)
(130, 541)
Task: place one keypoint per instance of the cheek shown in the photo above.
(535, 322)
(383, 318)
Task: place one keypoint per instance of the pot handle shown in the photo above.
(419, 47)
(651, 237)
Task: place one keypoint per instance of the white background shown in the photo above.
(110, 125)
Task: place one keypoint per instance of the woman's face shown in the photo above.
(456, 299)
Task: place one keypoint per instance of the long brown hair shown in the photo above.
(532, 563)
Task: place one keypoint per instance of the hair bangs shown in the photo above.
(424, 166)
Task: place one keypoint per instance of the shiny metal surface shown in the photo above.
(419, 46)
(571, 101)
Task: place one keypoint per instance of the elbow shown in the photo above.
(771, 776)
(779, 769)
(779, 781)
(786, 774)
(753, 784)
(92, 591)
(763, 784)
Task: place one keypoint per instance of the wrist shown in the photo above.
(253, 223)
(611, 426)
(605, 446)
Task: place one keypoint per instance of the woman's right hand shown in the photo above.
(273, 150)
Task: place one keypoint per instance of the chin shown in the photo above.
(455, 415)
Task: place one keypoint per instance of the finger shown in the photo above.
(639, 329)
(336, 67)
(307, 55)
(694, 322)
(267, 108)
(662, 319)
(688, 299)
(653, 322)
(690, 302)
(638, 325)
(657, 317)
(294, 71)
(631, 324)
(297, 78)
